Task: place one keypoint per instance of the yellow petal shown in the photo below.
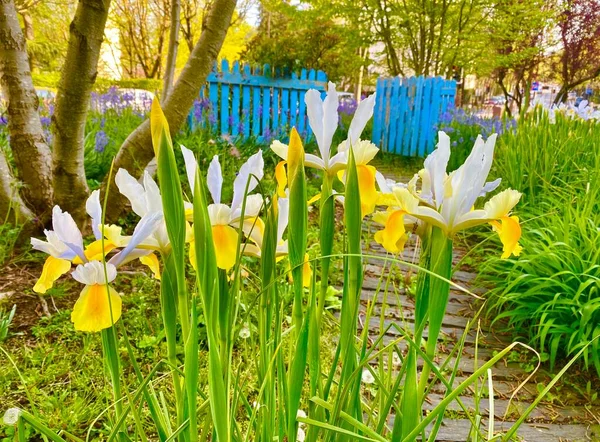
(406, 200)
(189, 214)
(381, 217)
(226, 240)
(93, 252)
(509, 231)
(368, 192)
(393, 236)
(386, 199)
(151, 261)
(502, 203)
(295, 156)
(98, 307)
(306, 272)
(192, 254)
(53, 269)
(281, 178)
(158, 126)
(113, 234)
(314, 199)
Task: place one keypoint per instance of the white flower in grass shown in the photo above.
(396, 361)
(245, 332)
(301, 436)
(367, 376)
(11, 416)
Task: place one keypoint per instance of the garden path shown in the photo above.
(562, 416)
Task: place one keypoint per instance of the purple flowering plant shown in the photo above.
(464, 126)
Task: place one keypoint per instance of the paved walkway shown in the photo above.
(563, 416)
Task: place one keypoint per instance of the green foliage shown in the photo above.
(6, 318)
(9, 235)
(297, 38)
(105, 133)
(549, 296)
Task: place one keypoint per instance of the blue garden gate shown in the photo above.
(407, 111)
(249, 101)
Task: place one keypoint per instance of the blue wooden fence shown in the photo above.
(249, 101)
(406, 112)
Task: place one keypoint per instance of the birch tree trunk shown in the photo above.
(173, 47)
(136, 152)
(12, 207)
(31, 154)
(72, 104)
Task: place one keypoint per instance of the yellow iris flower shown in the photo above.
(225, 220)
(447, 201)
(98, 306)
(64, 243)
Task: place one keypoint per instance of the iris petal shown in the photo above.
(53, 269)
(151, 261)
(281, 178)
(226, 240)
(509, 231)
(306, 272)
(192, 254)
(368, 192)
(393, 236)
(98, 307)
(93, 252)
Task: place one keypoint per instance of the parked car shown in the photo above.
(497, 100)
(45, 93)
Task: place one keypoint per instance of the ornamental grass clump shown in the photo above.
(298, 391)
(550, 300)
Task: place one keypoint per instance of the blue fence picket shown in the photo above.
(408, 126)
(394, 111)
(213, 96)
(417, 109)
(256, 103)
(302, 105)
(224, 102)
(293, 103)
(402, 113)
(235, 101)
(276, 110)
(285, 108)
(434, 116)
(377, 121)
(425, 121)
(266, 104)
(406, 112)
(246, 102)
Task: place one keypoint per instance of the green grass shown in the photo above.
(549, 295)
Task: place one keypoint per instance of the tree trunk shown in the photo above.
(136, 152)
(31, 153)
(12, 207)
(169, 75)
(562, 94)
(29, 34)
(72, 104)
